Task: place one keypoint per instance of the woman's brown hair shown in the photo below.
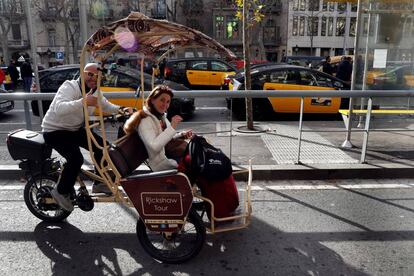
(132, 123)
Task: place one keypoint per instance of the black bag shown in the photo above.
(208, 161)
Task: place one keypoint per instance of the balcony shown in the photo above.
(18, 44)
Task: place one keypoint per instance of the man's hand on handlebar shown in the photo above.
(126, 111)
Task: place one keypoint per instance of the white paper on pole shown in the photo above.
(380, 58)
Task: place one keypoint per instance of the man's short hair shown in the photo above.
(91, 67)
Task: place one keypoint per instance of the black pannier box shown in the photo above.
(25, 144)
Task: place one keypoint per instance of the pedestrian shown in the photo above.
(14, 74)
(2, 63)
(63, 129)
(2, 78)
(327, 66)
(27, 74)
(344, 70)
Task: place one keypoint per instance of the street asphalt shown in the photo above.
(273, 150)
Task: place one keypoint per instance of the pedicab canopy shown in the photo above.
(138, 33)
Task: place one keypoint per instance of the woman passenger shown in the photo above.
(155, 129)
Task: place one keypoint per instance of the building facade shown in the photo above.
(320, 28)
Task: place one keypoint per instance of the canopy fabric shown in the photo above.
(138, 33)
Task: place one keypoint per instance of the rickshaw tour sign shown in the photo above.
(162, 203)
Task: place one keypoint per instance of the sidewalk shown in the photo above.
(274, 152)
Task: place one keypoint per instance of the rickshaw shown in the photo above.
(171, 226)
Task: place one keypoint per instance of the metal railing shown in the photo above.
(252, 94)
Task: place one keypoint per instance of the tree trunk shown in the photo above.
(66, 60)
(5, 47)
(247, 77)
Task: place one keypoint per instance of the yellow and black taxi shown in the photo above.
(119, 79)
(288, 77)
(199, 73)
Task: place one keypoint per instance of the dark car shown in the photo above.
(198, 73)
(5, 105)
(118, 79)
(288, 77)
(306, 61)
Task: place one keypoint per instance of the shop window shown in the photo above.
(219, 26)
(269, 32)
(232, 28)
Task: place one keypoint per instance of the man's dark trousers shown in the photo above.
(67, 144)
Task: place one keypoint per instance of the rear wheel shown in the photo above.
(36, 196)
(177, 247)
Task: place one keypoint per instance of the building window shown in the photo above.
(17, 35)
(295, 5)
(352, 26)
(160, 8)
(331, 6)
(295, 26)
(51, 6)
(51, 35)
(219, 27)
(340, 26)
(269, 34)
(354, 7)
(302, 26)
(323, 26)
(324, 6)
(232, 28)
(133, 5)
(330, 26)
(342, 7)
(313, 25)
(313, 5)
(302, 5)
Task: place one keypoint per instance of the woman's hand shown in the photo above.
(188, 134)
(176, 120)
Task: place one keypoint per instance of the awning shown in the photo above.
(138, 33)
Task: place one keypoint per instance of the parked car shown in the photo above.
(313, 61)
(288, 77)
(5, 105)
(120, 79)
(198, 73)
